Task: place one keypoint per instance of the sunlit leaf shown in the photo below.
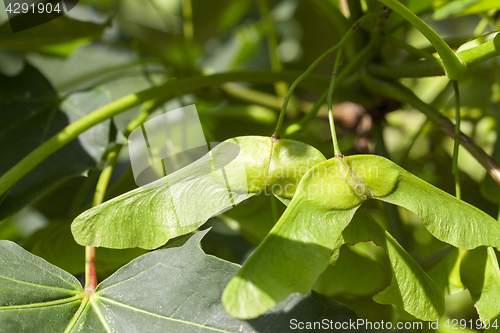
(448, 219)
(452, 8)
(182, 201)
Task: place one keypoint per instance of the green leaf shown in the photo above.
(59, 30)
(92, 65)
(172, 290)
(182, 201)
(34, 291)
(481, 275)
(29, 115)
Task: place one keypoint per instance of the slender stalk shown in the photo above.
(187, 20)
(336, 147)
(456, 145)
(293, 128)
(455, 68)
(404, 156)
(281, 88)
(170, 88)
(252, 96)
(400, 93)
(351, 66)
(308, 71)
(90, 275)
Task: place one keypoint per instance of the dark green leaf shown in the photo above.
(29, 115)
(59, 30)
(172, 290)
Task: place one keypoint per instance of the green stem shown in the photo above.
(308, 71)
(293, 128)
(471, 57)
(404, 156)
(456, 145)
(355, 9)
(455, 68)
(336, 147)
(272, 44)
(400, 93)
(173, 87)
(351, 66)
(90, 274)
(187, 20)
(252, 96)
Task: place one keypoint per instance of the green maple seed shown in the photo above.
(298, 248)
(179, 203)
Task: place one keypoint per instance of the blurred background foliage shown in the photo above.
(102, 50)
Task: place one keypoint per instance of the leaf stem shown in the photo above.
(456, 145)
(336, 147)
(280, 87)
(455, 68)
(170, 88)
(308, 71)
(351, 66)
(90, 275)
(187, 20)
(295, 127)
(408, 148)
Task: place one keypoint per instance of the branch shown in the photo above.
(397, 91)
(471, 57)
(170, 88)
